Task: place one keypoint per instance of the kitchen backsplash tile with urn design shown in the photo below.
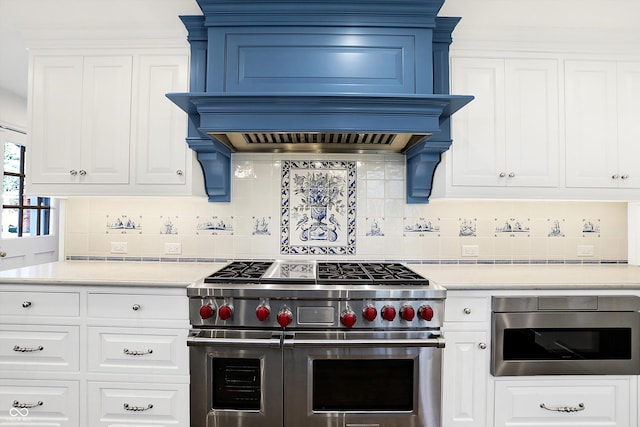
(342, 207)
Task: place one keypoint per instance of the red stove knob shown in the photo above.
(388, 313)
(262, 313)
(407, 313)
(369, 313)
(348, 318)
(426, 312)
(285, 317)
(206, 311)
(225, 312)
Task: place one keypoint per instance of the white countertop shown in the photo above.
(111, 273)
(450, 276)
(532, 276)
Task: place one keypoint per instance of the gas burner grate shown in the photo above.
(240, 271)
(347, 272)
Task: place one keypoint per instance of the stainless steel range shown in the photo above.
(304, 343)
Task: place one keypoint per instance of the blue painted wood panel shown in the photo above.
(328, 60)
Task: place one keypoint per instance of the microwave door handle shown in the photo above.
(273, 342)
(366, 343)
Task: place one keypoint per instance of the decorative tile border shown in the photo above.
(413, 261)
(318, 207)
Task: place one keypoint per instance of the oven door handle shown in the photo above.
(274, 342)
(365, 343)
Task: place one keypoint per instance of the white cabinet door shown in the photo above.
(106, 118)
(160, 126)
(531, 119)
(563, 402)
(628, 124)
(80, 119)
(39, 403)
(478, 129)
(509, 134)
(56, 114)
(591, 124)
(464, 385)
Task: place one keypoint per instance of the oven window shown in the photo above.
(236, 383)
(569, 344)
(363, 385)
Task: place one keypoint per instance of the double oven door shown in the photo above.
(315, 379)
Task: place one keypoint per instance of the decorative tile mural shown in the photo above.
(318, 207)
(215, 225)
(421, 227)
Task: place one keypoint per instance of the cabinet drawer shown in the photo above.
(39, 304)
(39, 348)
(568, 403)
(39, 403)
(138, 306)
(159, 405)
(157, 351)
(468, 309)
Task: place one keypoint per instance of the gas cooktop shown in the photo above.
(321, 273)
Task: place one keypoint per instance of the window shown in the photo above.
(21, 215)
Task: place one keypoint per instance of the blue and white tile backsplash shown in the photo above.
(341, 207)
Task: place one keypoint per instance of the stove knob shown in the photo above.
(407, 313)
(262, 313)
(225, 312)
(206, 311)
(285, 317)
(388, 313)
(369, 313)
(348, 318)
(426, 312)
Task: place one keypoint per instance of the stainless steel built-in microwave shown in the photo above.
(565, 335)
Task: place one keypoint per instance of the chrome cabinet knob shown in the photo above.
(135, 307)
(179, 172)
(467, 310)
(3, 254)
(26, 304)
(624, 176)
(511, 174)
(82, 172)
(502, 175)
(615, 176)
(73, 172)
(482, 346)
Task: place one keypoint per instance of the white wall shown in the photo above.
(13, 110)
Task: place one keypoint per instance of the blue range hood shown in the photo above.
(313, 76)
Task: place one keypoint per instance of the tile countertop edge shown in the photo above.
(145, 274)
(532, 277)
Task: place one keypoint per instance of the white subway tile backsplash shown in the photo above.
(386, 228)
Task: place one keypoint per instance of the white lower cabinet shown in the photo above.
(39, 403)
(127, 404)
(564, 402)
(465, 370)
(83, 356)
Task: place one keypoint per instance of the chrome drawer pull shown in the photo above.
(27, 349)
(578, 408)
(128, 407)
(136, 352)
(17, 404)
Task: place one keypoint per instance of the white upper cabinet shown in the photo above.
(80, 119)
(161, 126)
(508, 136)
(100, 124)
(602, 126)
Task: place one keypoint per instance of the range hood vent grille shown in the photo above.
(320, 138)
